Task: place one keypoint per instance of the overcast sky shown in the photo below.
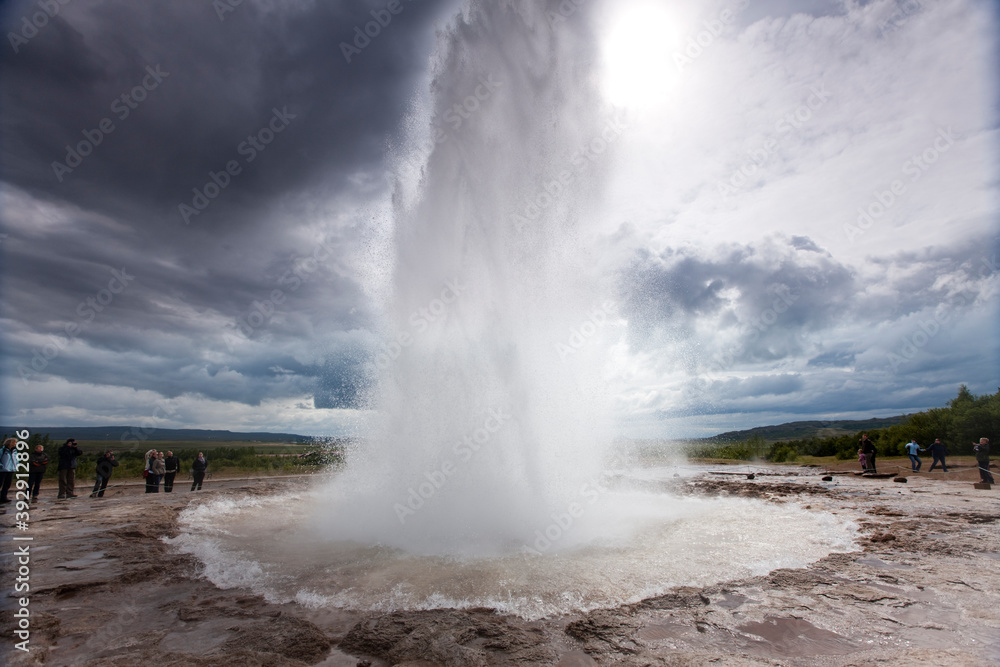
(801, 216)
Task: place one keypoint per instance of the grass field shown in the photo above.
(173, 445)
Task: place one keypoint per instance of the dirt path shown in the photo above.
(924, 588)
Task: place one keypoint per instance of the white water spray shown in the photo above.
(490, 383)
(481, 485)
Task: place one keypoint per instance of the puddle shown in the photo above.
(730, 601)
(84, 562)
(661, 631)
(877, 562)
(795, 637)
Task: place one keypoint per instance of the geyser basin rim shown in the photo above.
(269, 546)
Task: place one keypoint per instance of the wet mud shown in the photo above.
(922, 587)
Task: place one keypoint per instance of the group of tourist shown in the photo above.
(158, 467)
(937, 451)
(866, 456)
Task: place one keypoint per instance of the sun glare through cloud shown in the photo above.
(638, 71)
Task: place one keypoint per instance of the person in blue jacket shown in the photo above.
(8, 464)
(911, 449)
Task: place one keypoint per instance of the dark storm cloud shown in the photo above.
(714, 311)
(218, 83)
(197, 315)
(666, 294)
(833, 360)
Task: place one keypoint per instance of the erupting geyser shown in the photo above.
(489, 384)
(482, 483)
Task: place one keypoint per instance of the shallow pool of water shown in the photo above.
(624, 546)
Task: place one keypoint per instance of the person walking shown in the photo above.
(983, 460)
(38, 463)
(198, 469)
(68, 455)
(938, 451)
(105, 466)
(173, 466)
(868, 447)
(156, 471)
(912, 449)
(8, 466)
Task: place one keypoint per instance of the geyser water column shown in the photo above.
(481, 485)
(492, 412)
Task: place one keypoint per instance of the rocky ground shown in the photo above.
(923, 588)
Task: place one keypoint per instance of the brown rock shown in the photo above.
(292, 638)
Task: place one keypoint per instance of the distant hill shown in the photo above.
(791, 431)
(807, 429)
(115, 433)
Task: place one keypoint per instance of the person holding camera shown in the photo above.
(68, 455)
(105, 466)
